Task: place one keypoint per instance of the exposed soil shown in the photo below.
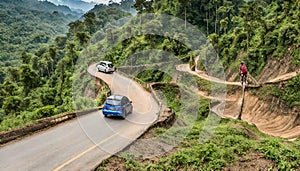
(283, 77)
(95, 91)
(274, 68)
(115, 163)
(233, 104)
(271, 117)
(253, 161)
(277, 67)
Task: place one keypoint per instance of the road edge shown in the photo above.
(40, 125)
(44, 123)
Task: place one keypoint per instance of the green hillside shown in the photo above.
(27, 25)
(226, 23)
(257, 31)
(263, 30)
(39, 83)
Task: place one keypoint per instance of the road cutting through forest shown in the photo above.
(80, 144)
(270, 119)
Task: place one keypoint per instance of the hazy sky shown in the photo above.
(101, 1)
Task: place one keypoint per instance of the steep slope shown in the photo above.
(271, 117)
(27, 25)
(43, 80)
(276, 67)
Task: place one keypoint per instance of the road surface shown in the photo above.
(82, 143)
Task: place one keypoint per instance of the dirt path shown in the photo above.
(241, 105)
(282, 77)
(203, 75)
(269, 119)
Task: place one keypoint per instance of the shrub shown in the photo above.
(284, 156)
(45, 111)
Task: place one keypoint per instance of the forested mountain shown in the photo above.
(25, 25)
(88, 6)
(255, 31)
(44, 6)
(75, 4)
(126, 5)
(263, 29)
(41, 85)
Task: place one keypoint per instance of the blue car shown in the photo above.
(117, 105)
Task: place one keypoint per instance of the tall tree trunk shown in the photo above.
(206, 15)
(247, 44)
(48, 70)
(216, 19)
(52, 67)
(185, 17)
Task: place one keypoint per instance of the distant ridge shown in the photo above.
(75, 5)
(26, 25)
(38, 5)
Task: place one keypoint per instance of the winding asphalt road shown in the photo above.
(81, 144)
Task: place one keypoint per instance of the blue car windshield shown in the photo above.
(113, 102)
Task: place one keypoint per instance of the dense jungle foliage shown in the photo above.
(255, 31)
(40, 85)
(25, 26)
